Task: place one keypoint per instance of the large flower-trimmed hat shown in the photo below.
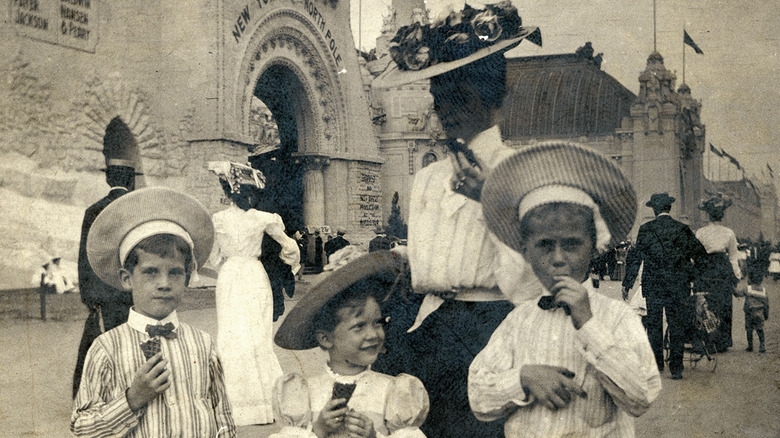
(237, 174)
(143, 213)
(424, 51)
(297, 331)
(715, 203)
(558, 171)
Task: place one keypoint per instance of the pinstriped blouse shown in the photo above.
(610, 356)
(195, 405)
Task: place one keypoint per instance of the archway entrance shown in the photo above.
(282, 93)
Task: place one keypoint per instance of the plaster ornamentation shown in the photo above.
(288, 38)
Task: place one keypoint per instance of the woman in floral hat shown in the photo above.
(244, 296)
(461, 274)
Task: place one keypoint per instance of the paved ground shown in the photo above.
(741, 398)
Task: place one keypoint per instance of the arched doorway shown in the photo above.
(282, 93)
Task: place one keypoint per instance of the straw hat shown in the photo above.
(297, 333)
(564, 167)
(424, 51)
(140, 214)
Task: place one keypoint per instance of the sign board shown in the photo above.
(70, 23)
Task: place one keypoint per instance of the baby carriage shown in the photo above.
(700, 343)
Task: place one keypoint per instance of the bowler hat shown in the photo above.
(660, 200)
(297, 331)
(143, 213)
(424, 51)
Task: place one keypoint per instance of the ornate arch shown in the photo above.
(286, 37)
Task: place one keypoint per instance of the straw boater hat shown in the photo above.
(297, 333)
(143, 213)
(424, 51)
(558, 172)
(715, 203)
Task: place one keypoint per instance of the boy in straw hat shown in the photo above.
(153, 375)
(574, 362)
(458, 269)
(341, 315)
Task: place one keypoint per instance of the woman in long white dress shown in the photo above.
(244, 298)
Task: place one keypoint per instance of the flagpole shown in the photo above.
(683, 81)
(654, 31)
(360, 25)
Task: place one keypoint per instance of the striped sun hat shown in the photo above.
(557, 171)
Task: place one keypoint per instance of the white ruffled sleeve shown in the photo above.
(406, 407)
(292, 406)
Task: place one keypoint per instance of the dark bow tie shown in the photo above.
(547, 302)
(161, 330)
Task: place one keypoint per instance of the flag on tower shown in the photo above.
(715, 150)
(689, 41)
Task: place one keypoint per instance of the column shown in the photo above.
(313, 190)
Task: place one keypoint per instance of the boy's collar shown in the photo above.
(139, 322)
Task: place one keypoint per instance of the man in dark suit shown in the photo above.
(101, 299)
(336, 244)
(668, 249)
(380, 242)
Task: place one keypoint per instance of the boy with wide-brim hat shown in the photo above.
(571, 362)
(341, 315)
(458, 268)
(153, 375)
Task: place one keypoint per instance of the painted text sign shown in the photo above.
(71, 23)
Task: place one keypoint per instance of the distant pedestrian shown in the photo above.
(756, 309)
(336, 244)
(718, 272)
(668, 248)
(318, 251)
(774, 265)
(380, 242)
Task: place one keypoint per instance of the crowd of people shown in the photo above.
(484, 324)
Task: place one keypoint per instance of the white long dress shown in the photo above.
(245, 307)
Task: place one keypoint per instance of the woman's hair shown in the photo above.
(326, 319)
(716, 214)
(162, 245)
(541, 215)
(242, 197)
(487, 75)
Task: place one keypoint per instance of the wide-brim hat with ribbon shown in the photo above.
(424, 51)
(237, 174)
(715, 203)
(660, 200)
(297, 331)
(563, 168)
(143, 213)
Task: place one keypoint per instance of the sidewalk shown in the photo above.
(740, 399)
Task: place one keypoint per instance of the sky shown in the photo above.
(736, 78)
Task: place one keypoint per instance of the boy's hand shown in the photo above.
(551, 386)
(150, 380)
(625, 293)
(331, 417)
(573, 295)
(359, 425)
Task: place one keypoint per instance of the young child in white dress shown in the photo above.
(341, 315)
